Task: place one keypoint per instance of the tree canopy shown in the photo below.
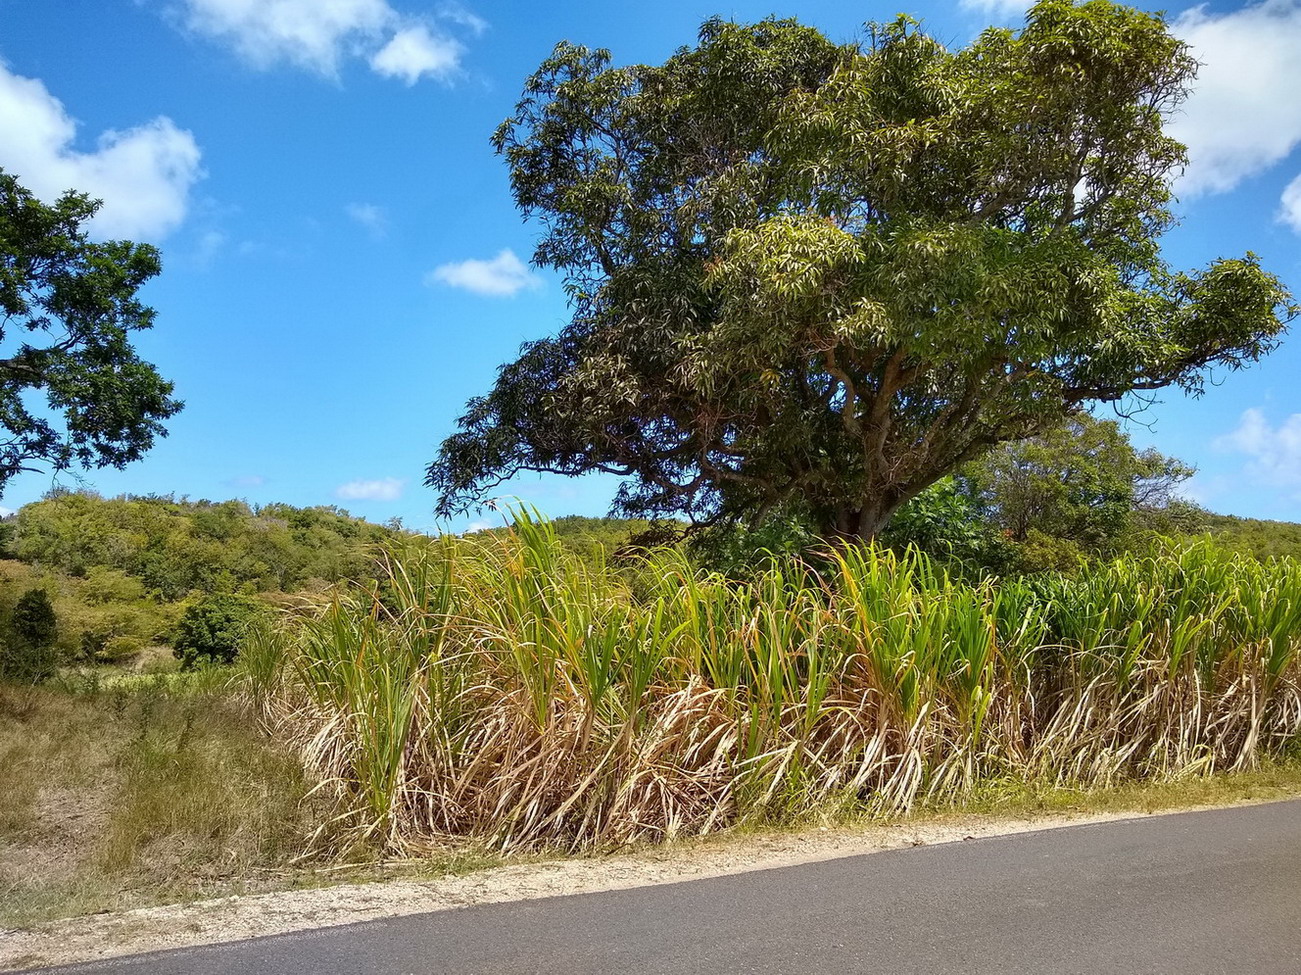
(829, 275)
(69, 306)
(1083, 481)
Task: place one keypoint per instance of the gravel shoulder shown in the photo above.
(103, 936)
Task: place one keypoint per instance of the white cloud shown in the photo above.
(248, 481)
(503, 276)
(457, 14)
(312, 34)
(997, 8)
(1290, 213)
(1274, 453)
(415, 52)
(370, 216)
(143, 174)
(319, 35)
(1244, 115)
(380, 489)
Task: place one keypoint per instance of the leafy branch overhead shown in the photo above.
(803, 272)
(68, 307)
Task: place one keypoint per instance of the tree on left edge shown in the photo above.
(73, 391)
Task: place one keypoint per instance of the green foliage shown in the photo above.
(213, 629)
(1041, 552)
(69, 306)
(33, 620)
(740, 551)
(173, 547)
(105, 585)
(947, 522)
(28, 654)
(597, 540)
(1251, 536)
(1082, 481)
(119, 649)
(690, 701)
(834, 274)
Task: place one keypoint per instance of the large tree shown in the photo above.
(803, 272)
(73, 392)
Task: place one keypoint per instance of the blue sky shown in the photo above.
(344, 265)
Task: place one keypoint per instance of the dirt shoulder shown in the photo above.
(104, 936)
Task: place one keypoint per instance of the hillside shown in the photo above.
(1255, 536)
(119, 572)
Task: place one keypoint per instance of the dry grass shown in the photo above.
(505, 693)
(149, 790)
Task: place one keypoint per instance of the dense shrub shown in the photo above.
(212, 630)
(33, 619)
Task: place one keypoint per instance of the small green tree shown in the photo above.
(213, 629)
(947, 521)
(34, 620)
(28, 655)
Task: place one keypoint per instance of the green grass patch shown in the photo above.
(143, 791)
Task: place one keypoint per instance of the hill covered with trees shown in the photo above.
(175, 546)
(119, 575)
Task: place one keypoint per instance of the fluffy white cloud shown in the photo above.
(415, 52)
(313, 34)
(380, 489)
(370, 216)
(1244, 115)
(503, 276)
(1273, 452)
(143, 174)
(319, 34)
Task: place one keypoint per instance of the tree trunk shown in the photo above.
(859, 525)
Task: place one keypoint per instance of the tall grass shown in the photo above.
(509, 692)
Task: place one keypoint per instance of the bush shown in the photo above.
(212, 630)
(105, 585)
(945, 522)
(34, 621)
(93, 643)
(1044, 553)
(120, 649)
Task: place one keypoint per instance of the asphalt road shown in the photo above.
(1198, 893)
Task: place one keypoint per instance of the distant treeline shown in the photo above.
(1254, 536)
(175, 546)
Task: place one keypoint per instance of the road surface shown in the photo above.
(1195, 893)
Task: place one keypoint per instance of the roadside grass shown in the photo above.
(139, 792)
(991, 806)
(509, 695)
(1271, 781)
(134, 792)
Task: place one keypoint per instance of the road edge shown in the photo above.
(105, 936)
